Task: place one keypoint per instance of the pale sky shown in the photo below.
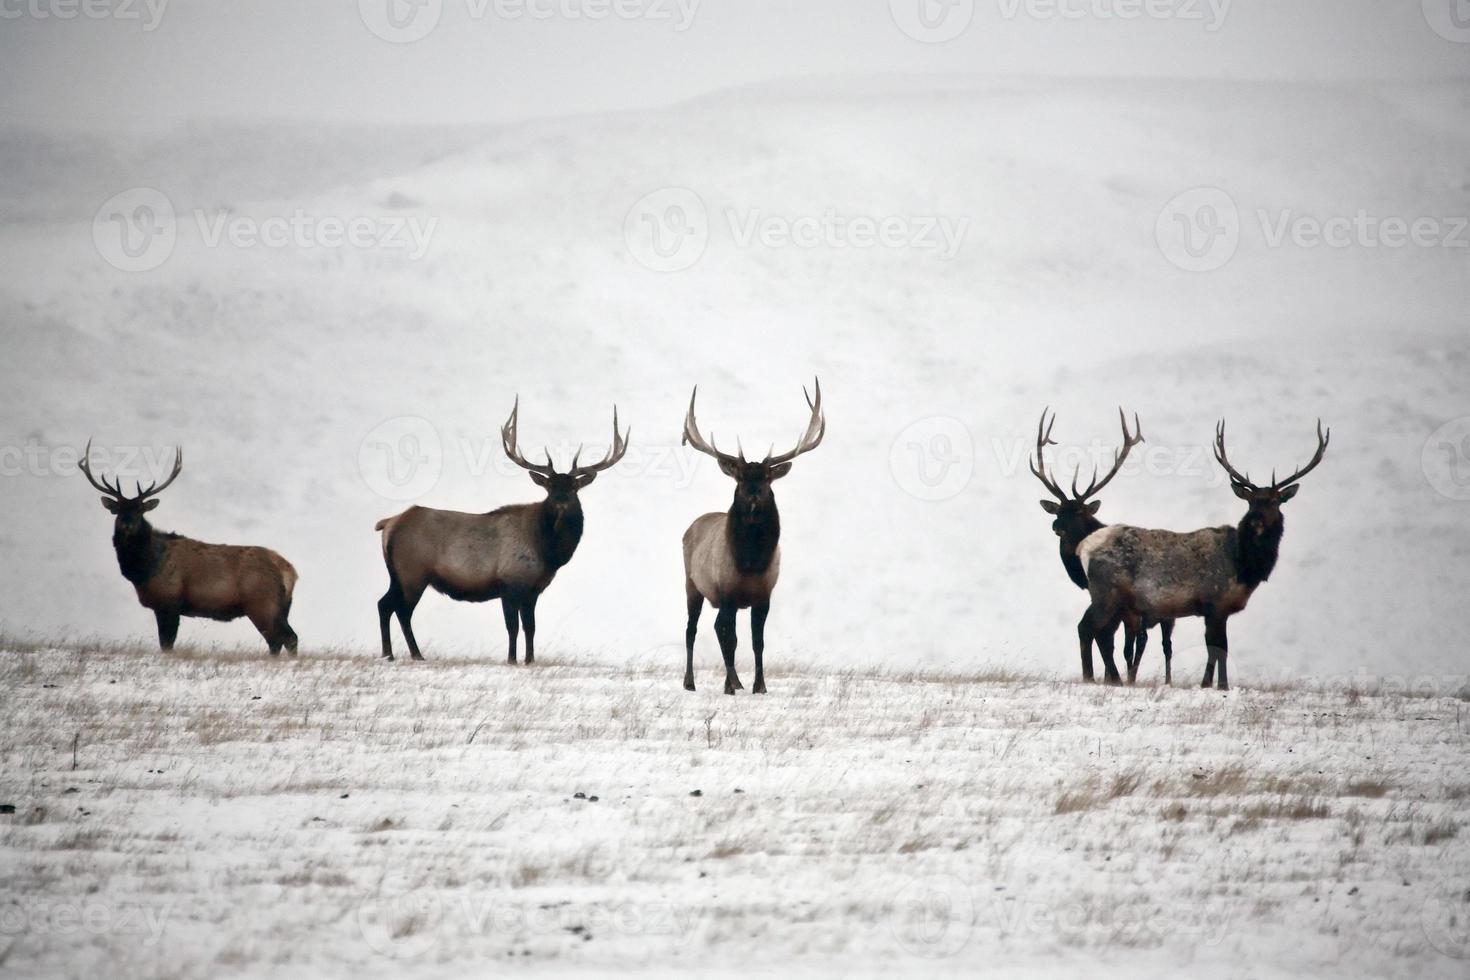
(492, 60)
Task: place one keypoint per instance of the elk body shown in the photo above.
(510, 554)
(1075, 519)
(177, 576)
(1143, 576)
(732, 560)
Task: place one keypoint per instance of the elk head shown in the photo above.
(561, 488)
(129, 511)
(1263, 511)
(1076, 515)
(753, 480)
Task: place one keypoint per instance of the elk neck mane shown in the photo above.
(1068, 547)
(754, 535)
(1256, 552)
(559, 539)
(140, 554)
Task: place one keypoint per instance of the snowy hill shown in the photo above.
(276, 368)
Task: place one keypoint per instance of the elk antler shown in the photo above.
(615, 452)
(693, 438)
(512, 449)
(1245, 480)
(816, 430)
(1322, 440)
(1038, 468)
(1129, 441)
(114, 489)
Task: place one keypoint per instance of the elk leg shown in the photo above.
(387, 606)
(512, 612)
(285, 635)
(168, 629)
(695, 602)
(1140, 641)
(758, 613)
(406, 605)
(528, 623)
(1105, 634)
(1219, 650)
(1166, 630)
(725, 632)
(1084, 637)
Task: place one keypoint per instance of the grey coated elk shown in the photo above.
(177, 576)
(1144, 576)
(510, 554)
(733, 559)
(1074, 520)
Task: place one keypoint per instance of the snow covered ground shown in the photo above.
(209, 815)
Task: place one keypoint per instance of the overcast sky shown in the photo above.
(496, 60)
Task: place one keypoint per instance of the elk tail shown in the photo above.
(386, 527)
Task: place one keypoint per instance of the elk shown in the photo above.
(733, 559)
(177, 576)
(1145, 576)
(1075, 519)
(510, 554)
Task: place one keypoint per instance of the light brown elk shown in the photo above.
(1143, 576)
(1075, 519)
(177, 576)
(510, 554)
(732, 560)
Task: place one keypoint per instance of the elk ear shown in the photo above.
(539, 480)
(149, 505)
(1290, 492)
(1050, 506)
(110, 504)
(1242, 492)
(780, 470)
(585, 479)
(730, 469)
(1093, 508)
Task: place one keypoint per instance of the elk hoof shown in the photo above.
(759, 687)
(688, 683)
(418, 656)
(388, 656)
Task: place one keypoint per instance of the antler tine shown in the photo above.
(1038, 468)
(615, 452)
(693, 438)
(1220, 457)
(86, 468)
(1129, 441)
(1322, 441)
(816, 430)
(155, 489)
(509, 440)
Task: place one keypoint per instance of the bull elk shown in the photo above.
(732, 560)
(510, 554)
(177, 576)
(1145, 576)
(1075, 519)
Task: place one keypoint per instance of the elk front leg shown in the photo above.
(758, 614)
(1219, 646)
(168, 629)
(511, 611)
(528, 623)
(725, 632)
(1085, 634)
(1166, 631)
(695, 602)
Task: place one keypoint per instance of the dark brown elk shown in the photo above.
(1074, 519)
(733, 559)
(1143, 576)
(510, 554)
(176, 576)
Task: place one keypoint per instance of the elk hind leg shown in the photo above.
(1166, 632)
(168, 629)
(1219, 646)
(1140, 641)
(1085, 633)
(528, 625)
(408, 601)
